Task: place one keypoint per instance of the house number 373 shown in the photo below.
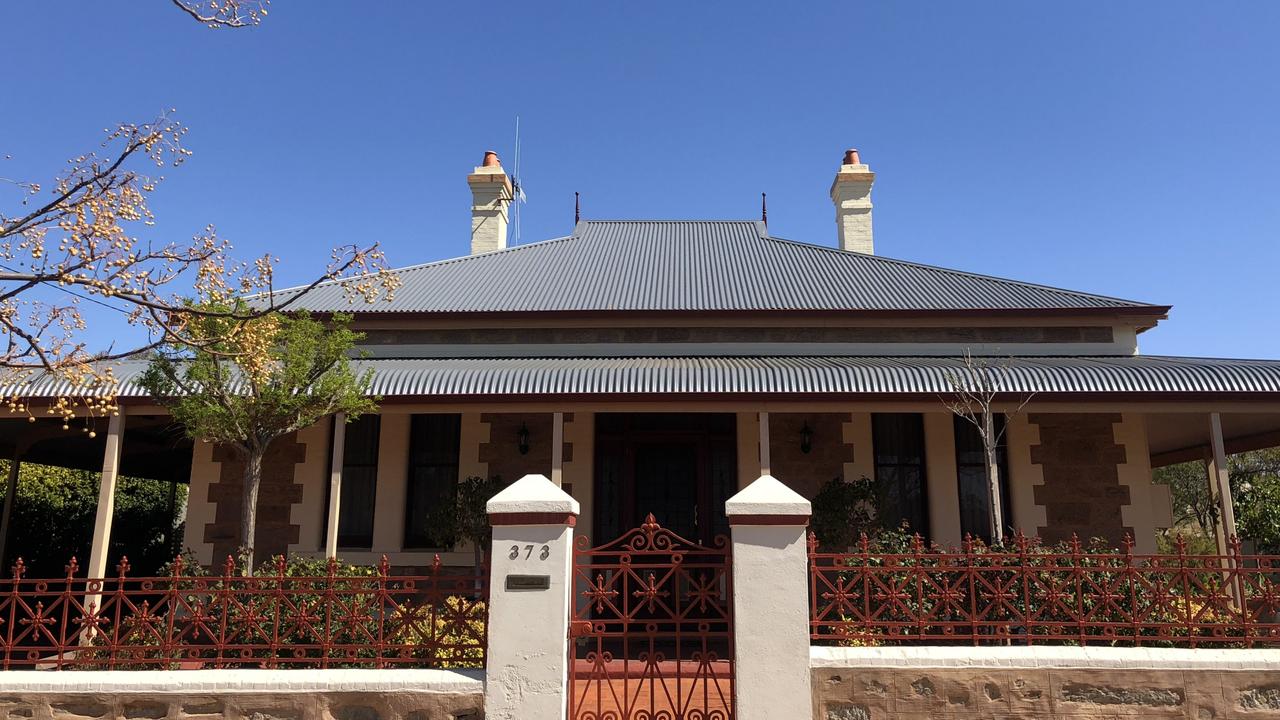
(527, 551)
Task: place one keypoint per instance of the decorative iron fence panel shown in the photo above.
(191, 619)
(1033, 595)
(651, 630)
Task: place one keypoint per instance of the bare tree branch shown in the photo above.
(224, 13)
(82, 244)
(974, 390)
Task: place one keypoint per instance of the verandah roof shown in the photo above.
(771, 376)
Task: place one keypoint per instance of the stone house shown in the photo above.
(660, 366)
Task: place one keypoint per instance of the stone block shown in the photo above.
(355, 712)
(846, 711)
(89, 708)
(202, 707)
(145, 710)
(1119, 693)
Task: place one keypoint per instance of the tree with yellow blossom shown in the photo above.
(76, 239)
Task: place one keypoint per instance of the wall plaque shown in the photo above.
(528, 582)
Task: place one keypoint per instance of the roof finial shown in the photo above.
(577, 209)
(764, 209)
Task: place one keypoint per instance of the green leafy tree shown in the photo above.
(244, 385)
(843, 511)
(1255, 489)
(473, 519)
(1255, 485)
(465, 518)
(53, 512)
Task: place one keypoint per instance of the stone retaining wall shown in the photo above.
(1044, 682)
(242, 695)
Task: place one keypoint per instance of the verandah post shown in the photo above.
(770, 601)
(526, 665)
(100, 545)
(338, 439)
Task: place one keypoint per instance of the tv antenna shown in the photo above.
(516, 186)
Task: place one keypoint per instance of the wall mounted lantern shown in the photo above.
(806, 438)
(522, 439)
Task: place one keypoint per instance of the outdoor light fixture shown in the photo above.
(522, 439)
(806, 438)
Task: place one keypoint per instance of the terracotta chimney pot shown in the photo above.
(851, 194)
(490, 200)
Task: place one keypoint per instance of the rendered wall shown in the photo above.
(578, 462)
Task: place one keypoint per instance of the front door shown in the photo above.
(667, 484)
(679, 466)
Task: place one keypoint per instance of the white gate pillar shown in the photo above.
(527, 670)
(770, 601)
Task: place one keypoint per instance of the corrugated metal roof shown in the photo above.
(694, 265)
(459, 377)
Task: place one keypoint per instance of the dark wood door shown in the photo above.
(666, 483)
(680, 467)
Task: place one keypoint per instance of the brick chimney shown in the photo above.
(851, 194)
(490, 198)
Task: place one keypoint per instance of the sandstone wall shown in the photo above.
(242, 695)
(806, 472)
(1044, 682)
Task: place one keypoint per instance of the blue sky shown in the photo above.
(1122, 148)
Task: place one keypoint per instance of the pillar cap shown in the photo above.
(532, 494)
(767, 496)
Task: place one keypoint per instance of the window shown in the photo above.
(433, 479)
(899, 448)
(359, 482)
(971, 474)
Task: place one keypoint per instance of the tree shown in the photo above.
(975, 389)
(465, 518)
(53, 514)
(244, 384)
(844, 511)
(79, 243)
(1255, 489)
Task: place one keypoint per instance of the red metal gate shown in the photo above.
(651, 630)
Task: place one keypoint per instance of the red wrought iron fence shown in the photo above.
(1030, 594)
(362, 617)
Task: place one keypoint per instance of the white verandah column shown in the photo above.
(106, 497)
(336, 459)
(1220, 485)
(765, 462)
(557, 449)
(101, 542)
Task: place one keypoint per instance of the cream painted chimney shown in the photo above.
(490, 198)
(851, 193)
